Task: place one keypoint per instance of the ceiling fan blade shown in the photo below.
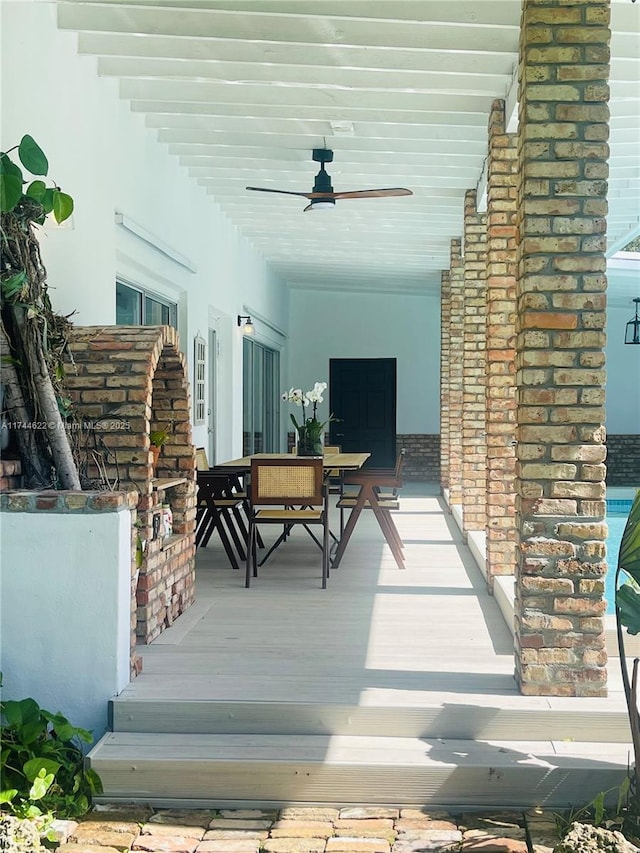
(381, 193)
(282, 192)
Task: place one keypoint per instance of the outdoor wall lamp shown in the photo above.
(247, 325)
(632, 334)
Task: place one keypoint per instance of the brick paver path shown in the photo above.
(377, 829)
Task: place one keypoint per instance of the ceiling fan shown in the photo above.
(323, 196)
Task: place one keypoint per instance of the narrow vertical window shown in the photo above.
(199, 372)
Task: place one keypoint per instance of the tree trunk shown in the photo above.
(36, 470)
(32, 330)
(48, 413)
(58, 437)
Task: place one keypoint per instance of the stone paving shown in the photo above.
(378, 829)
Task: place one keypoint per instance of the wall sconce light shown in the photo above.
(632, 334)
(247, 325)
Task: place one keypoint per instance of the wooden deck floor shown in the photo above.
(378, 636)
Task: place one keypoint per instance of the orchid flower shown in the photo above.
(308, 427)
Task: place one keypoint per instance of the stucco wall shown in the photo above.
(65, 610)
(350, 325)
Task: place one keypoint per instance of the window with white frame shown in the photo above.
(138, 307)
(199, 372)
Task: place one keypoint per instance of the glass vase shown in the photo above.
(309, 445)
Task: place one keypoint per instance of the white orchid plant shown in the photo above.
(309, 428)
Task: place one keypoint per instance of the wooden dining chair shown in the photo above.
(233, 490)
(219, 508)
(376, 489)
(287, 492)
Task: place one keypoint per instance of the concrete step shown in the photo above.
(232, 770)
(582, 720)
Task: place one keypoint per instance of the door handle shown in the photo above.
(340, 434)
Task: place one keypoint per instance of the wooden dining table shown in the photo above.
(339, 462)
(330, 461)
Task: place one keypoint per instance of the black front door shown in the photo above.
(362, 393)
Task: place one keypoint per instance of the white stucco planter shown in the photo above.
(65, 586)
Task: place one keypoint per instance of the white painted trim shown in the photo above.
(457, 513)
(158, 244)
(255, 315)
(477, 542)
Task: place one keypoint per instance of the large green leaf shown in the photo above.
(629, 554)
(40, 767)
(47, 200)
(628, 607)
(22, 712)
(10, 192)
(8, 167)
(36, 190)
(32, 156)
(62, 206)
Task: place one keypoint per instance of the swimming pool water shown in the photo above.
(617, 513)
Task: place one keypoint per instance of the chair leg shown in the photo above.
(239, 538)
(251, 554)
(325, 549)
(348, 530)
(390, 532)
(218, 523)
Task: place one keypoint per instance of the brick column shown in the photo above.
(474, 385)
(502, 205)
(456, 344)
(445, 320)
(564, 54)
(127, 381)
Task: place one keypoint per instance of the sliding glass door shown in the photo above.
(261, 398)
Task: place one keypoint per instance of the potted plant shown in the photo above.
(310, 430)
(157, 439)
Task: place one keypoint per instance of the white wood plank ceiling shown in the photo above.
(241, 91)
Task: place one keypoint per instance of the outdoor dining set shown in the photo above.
(237, 498)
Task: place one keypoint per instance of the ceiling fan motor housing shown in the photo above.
(322, 155)
(322, 183)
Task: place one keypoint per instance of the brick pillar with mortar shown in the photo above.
(456, 377)
(563, 115)
(474, 385)
(502, 206)
(126, 382)
(445, 319)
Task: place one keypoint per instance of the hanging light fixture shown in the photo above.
(632, 334)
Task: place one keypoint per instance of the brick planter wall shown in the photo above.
(127, 381)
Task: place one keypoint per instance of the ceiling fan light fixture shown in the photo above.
(321, 204)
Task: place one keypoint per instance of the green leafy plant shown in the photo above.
(159, 437)
(42, 768)
(13, 192)
(596, 812)
(628, 616)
